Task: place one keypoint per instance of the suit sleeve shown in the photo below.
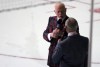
(57, 55)
(86, 59)
(47, 31)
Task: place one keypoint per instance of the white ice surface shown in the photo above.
(21, 34)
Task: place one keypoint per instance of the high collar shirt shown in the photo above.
(72, 33)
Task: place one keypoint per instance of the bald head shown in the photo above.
(59, 5)
(71, 24)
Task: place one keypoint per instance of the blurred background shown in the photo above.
(22, 23)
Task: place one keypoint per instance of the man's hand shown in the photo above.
(55, 33)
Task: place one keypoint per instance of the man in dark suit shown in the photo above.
(53, 32)
(72, 51)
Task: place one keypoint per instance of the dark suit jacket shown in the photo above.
(71, 52)
(52, 24)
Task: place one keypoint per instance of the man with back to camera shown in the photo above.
(55, 30)
(72, 51)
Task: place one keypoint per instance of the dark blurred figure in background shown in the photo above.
(72, 51)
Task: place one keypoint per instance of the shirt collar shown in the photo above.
(72, 33)
(59, 18)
